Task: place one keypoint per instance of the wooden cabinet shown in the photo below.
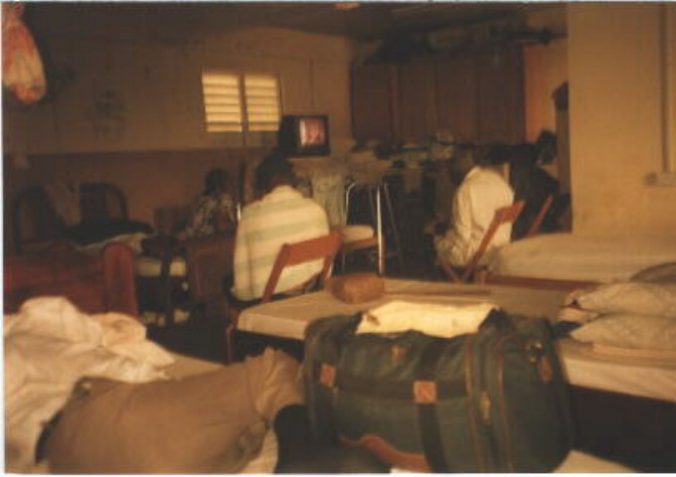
(477, 98)
(457, 99)
(500, 105)
(417, 101)
(373, 105)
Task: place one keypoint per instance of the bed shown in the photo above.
(579, 258)
(624, 406)
(98, 283)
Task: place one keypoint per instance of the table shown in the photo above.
(288, 318)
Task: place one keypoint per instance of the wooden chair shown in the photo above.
(502, 216)
(535, 226)
(325, 247)
(209, 261)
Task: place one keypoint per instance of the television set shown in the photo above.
(304, 135)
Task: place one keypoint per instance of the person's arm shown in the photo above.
(241, 266)
(458, 237)
(199, 215)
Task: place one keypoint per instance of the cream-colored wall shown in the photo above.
(154, 145)
(545, 69)
(156, 89)
(615, 119)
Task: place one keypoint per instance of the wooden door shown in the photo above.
(456, 87)
(417, 100)
(372, 102)
(500, 96)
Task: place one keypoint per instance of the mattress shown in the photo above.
(601, 258)
(636, 375)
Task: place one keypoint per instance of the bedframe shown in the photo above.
(99, 283)
(36, 223)
(624, 409)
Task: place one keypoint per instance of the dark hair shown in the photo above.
(524, 154)
(216, 181)
(275, 169)
(545, 145)
(495, 155)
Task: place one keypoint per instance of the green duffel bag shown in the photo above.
(491, 401)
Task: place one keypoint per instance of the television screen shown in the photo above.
(304, 135)
(312, 131)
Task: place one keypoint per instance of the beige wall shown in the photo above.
(545, 69)
(615, 119)
(156, 89)
(153, 144)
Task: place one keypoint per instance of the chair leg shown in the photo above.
(230, 329)
(230, 343)
(450, 272)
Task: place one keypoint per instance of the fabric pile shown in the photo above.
(49, 346)
(22, 70)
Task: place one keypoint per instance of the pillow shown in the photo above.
(663, 273)
(624, 330)
(630, 297)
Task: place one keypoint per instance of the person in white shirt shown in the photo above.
(281, 216)
(482, 191)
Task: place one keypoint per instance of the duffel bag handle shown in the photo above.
(499, 320)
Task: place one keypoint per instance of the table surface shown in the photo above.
(288, 318)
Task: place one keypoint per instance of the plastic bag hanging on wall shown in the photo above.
(22, 70)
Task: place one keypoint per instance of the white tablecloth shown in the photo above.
(288, 318)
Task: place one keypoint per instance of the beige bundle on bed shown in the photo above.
(212, 422)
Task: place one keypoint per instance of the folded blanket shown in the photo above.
(445, 321)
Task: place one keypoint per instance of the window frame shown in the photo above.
(248, 135)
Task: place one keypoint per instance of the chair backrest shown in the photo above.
(209, 260)
(324, 247)
(535, 226)
(502, 216)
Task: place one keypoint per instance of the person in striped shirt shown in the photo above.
(281, 216)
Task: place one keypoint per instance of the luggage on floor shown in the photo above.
(491, 401)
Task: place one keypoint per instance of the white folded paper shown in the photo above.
(444, 321)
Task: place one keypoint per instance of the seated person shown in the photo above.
(482, 190)
(214, 209)
(531, 184)
(281, 216)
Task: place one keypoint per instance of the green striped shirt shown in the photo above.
(282, 216)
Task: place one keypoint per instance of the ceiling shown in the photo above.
(364, 21)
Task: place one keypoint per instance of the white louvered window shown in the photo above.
(236, 102)
(261, 93)
(222, 102)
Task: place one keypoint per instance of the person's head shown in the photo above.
(523, 155)
(216, 182)
(545, 146)
(461, 164)
(494, 155)
(274, 170)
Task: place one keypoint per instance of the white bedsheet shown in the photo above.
(637, 376)
(583, 257)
